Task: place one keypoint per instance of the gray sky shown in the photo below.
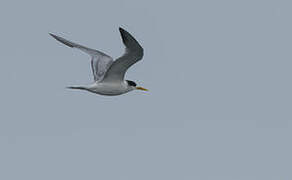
(219, 106)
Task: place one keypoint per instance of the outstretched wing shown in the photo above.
(133, 54)
(100, 62)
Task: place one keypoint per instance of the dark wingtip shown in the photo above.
(123, 34)
(121, 29)
(62, 40)
(53, 35)
(130, 42)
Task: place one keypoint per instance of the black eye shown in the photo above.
(131, 83)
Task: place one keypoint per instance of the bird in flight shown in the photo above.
(109, 74)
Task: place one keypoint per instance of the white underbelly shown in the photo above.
(110, 89)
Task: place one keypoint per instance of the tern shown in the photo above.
(109, 74)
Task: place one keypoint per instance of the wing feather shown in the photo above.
(100, 61)
(133, 53)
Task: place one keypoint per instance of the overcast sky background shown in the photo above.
(219, 105)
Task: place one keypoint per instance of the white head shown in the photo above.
(133, 86)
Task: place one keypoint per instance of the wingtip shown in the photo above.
(53, 35)
(62, 40)
(123, 33)
(121, 29)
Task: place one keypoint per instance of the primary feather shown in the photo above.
(100, 62)
(133, 53)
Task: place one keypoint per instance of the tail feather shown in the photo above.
(76, 87)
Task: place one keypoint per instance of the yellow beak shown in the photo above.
(140, 88)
